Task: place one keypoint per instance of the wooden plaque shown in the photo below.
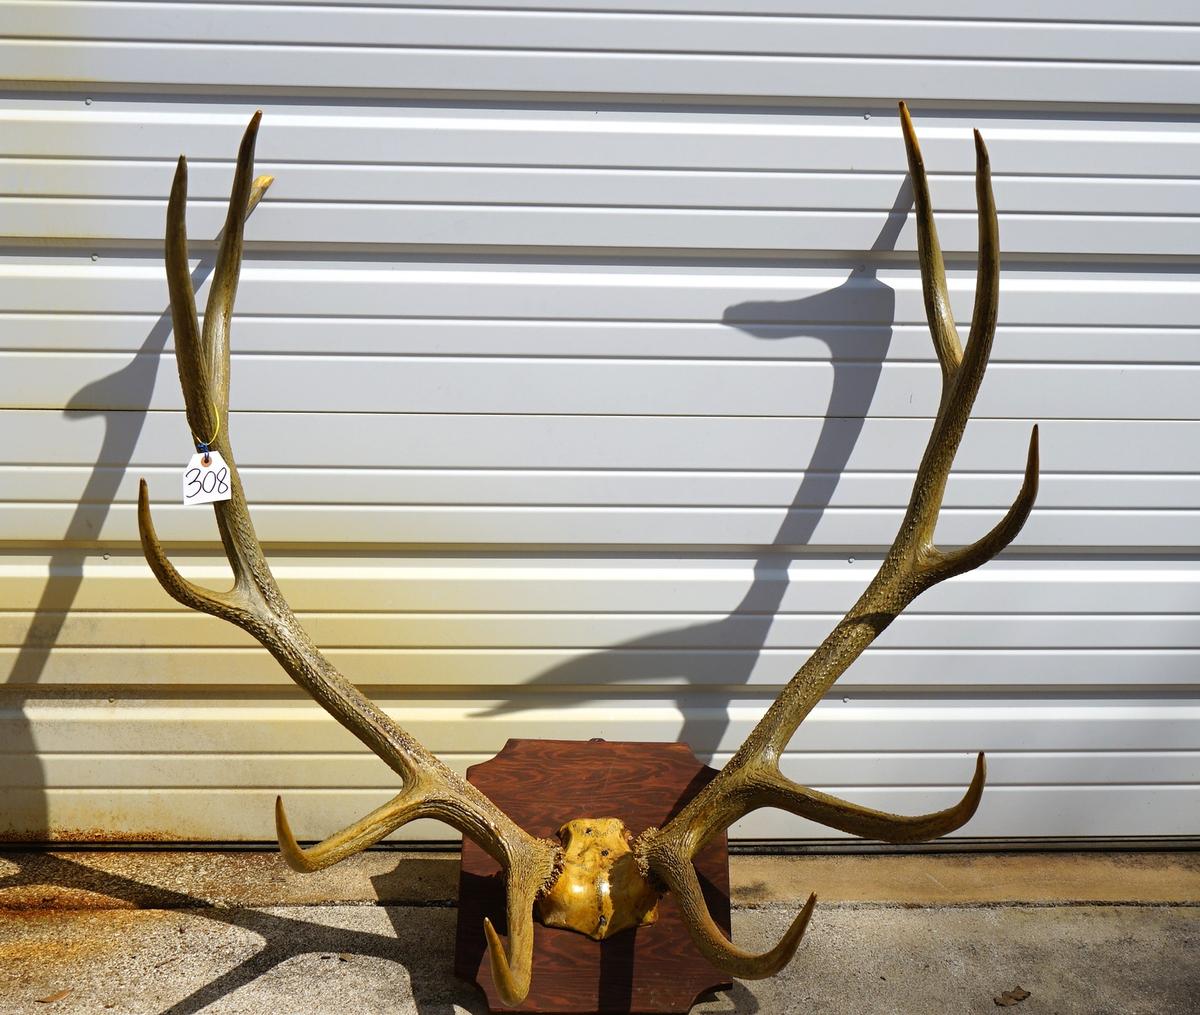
(542, 784)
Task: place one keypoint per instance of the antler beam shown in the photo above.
(255, 604)
(752, 779)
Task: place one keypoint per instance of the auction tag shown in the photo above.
(206, 483)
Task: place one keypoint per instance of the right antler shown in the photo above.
(752, 778)
(255, 604)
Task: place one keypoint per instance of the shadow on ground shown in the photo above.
(423, 943)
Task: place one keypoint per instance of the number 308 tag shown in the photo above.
(206, 484)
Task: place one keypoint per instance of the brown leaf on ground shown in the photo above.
(58, 995)
(1010, 997)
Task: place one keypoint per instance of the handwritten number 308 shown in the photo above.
(212, 481)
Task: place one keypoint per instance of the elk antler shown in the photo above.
(255, 604)
(752, 778)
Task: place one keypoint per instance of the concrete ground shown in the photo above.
(171, 933)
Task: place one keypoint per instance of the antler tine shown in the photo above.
(179, 278)
(948, 564)
(227, 605)
(873, 824)
(361, 835)
(223, 290)
(711, 940)
(430, 788)
(512, 969)
(183, 298)
(752, 778)
(929, 253)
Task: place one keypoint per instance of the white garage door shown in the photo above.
(580, 372)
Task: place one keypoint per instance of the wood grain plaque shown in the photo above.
(541, 784)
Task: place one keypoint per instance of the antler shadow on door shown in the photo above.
(131, 384)
(653, 659)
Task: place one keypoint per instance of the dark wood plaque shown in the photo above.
(542, 784)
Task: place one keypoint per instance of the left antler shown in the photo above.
(255, 604)
(752, 778)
